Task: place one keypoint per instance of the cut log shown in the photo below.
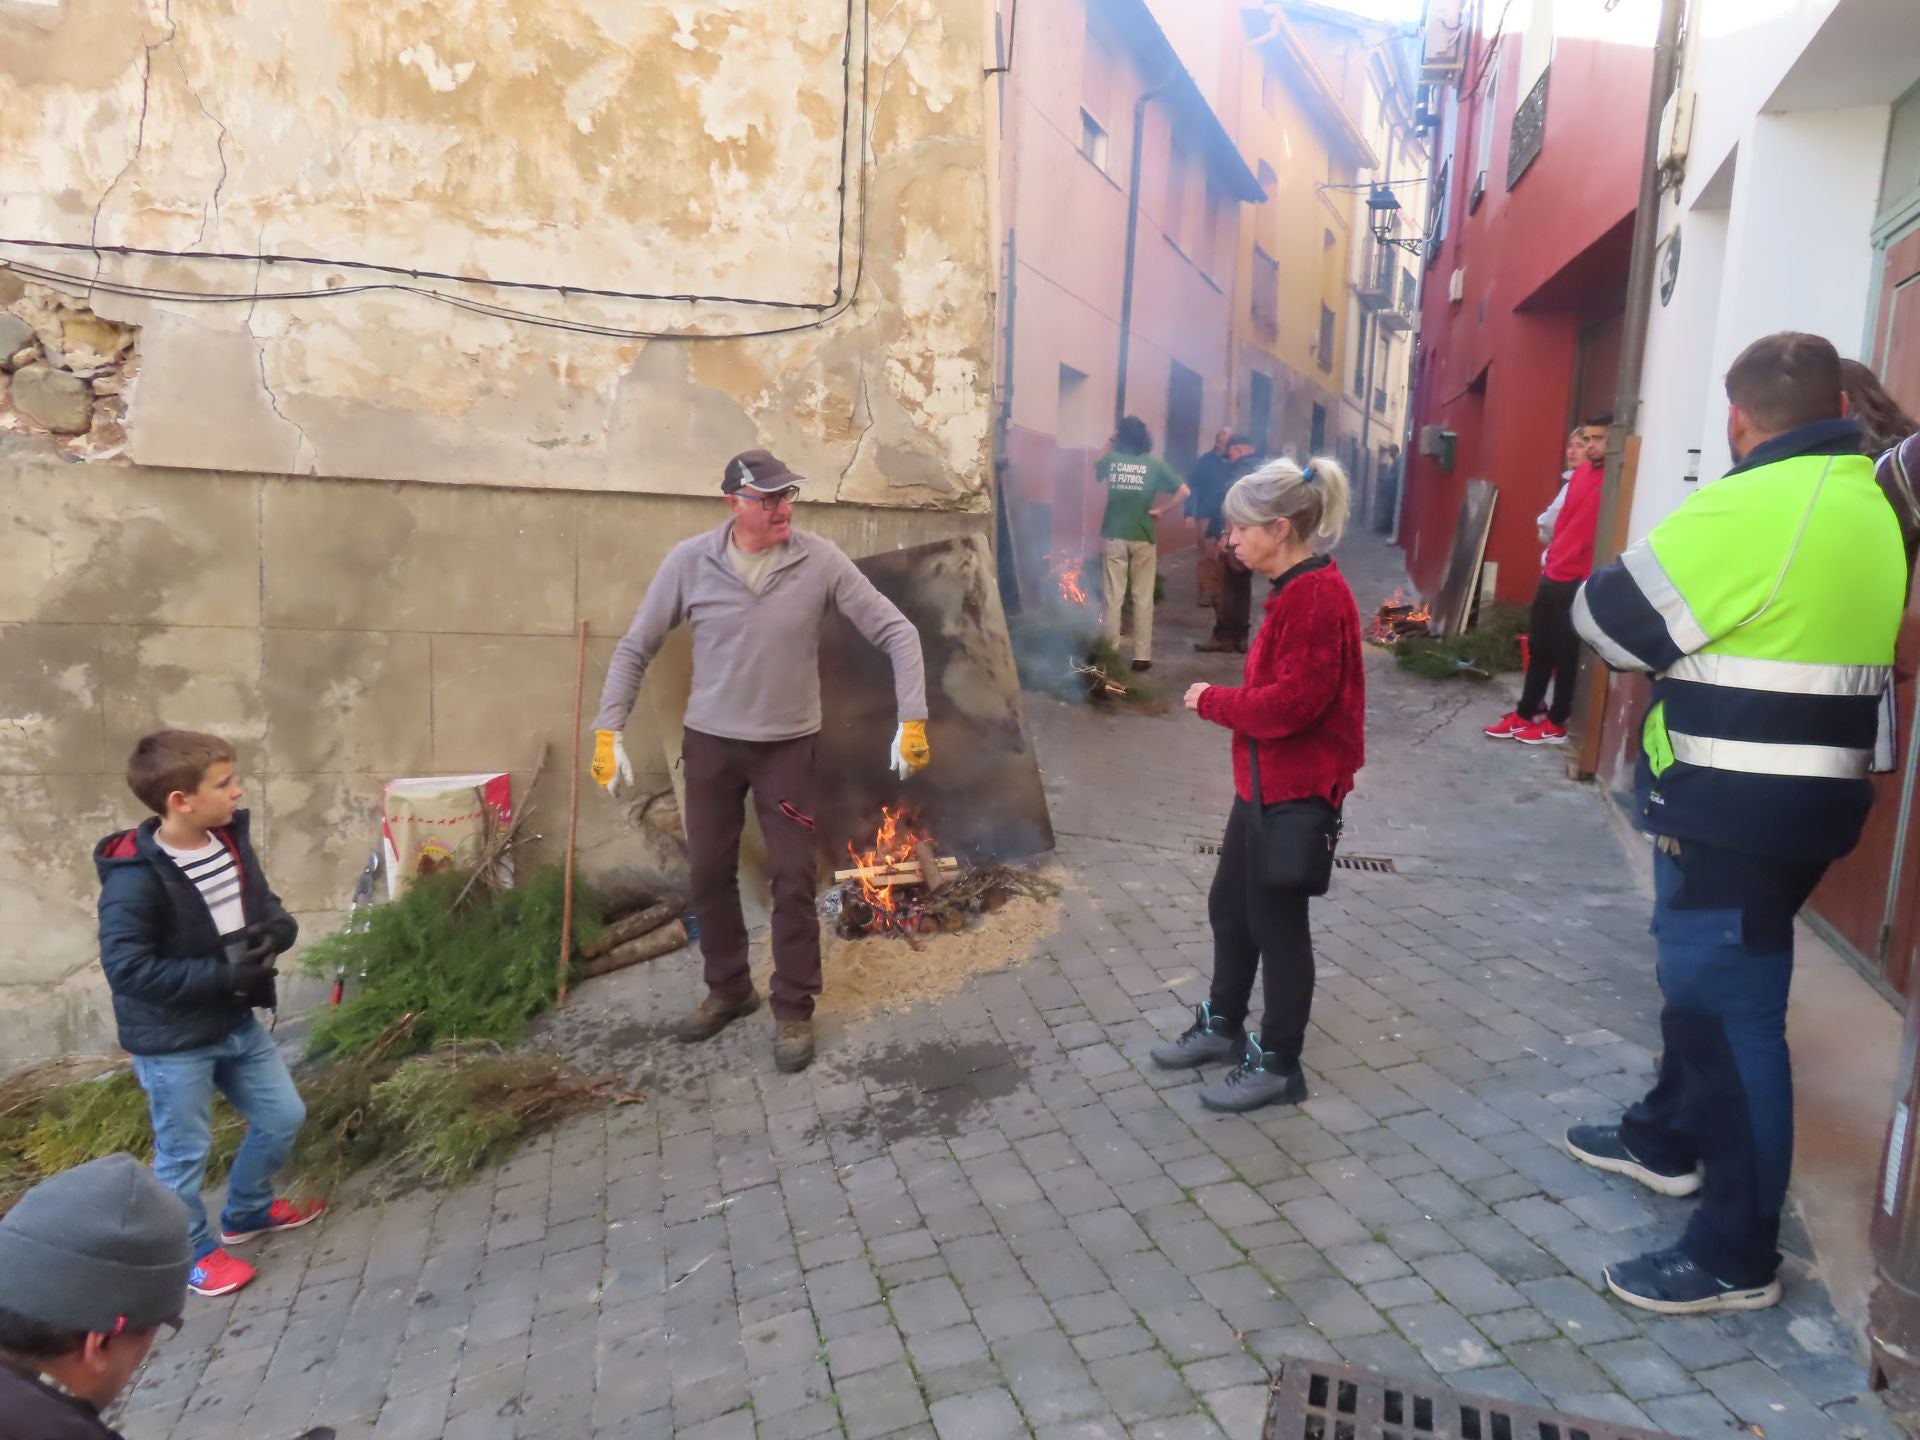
(631, 927)
(907, 872)
(651, 946)
(931, 867)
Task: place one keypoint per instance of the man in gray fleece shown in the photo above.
(755, 592)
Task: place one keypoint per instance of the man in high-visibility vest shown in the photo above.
(1766, 608)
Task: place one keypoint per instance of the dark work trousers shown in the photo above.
(1724, 1095)
(1554, 652)
(719, 774)
(1258, 927)
(1233, 604)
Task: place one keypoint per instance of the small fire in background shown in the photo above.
(1067, 572)
(1399, 617)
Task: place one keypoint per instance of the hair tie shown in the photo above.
(1307, 473)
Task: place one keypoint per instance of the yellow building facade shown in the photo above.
(1289, 340)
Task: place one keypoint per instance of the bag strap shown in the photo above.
(1253, 753)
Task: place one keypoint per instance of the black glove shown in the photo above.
(252, 984)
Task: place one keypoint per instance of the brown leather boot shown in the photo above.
(793, 1045)
(714, 1015)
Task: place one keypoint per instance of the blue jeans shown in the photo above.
(247, 1069)
(1724, 1095)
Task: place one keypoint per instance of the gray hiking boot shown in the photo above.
(1255, 1082)
(713, 1016)
(1210, 1041)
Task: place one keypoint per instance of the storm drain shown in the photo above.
(1313, 1401)
(1372, 864)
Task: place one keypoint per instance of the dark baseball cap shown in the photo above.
(759, 471)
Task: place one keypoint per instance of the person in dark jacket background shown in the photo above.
(93, 1262)
(189, 932)
(1230, 590)
(1303, 703)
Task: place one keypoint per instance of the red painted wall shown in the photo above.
(1542, 263)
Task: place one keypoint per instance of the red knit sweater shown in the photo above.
(1305, 696)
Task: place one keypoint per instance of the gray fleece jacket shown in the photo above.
(756, 658)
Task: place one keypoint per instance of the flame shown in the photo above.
(1066, 572)
(1398, 616)
(893, 844)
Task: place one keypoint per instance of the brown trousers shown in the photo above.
(719, 774)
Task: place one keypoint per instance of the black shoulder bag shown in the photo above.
(1294, 840)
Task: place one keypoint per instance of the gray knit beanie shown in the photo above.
(98, 1247)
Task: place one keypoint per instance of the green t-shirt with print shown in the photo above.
(1133, 482)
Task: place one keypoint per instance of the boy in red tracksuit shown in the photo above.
(1554, 647)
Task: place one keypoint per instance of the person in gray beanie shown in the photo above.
(92, 1263)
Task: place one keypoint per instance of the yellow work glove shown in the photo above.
(910, 752)
(611, 768)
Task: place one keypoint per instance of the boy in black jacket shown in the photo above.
(189, 933)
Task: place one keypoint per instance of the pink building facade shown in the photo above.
(1088, 74)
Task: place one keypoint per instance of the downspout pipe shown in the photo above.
(1133, 241)
(1641, 272)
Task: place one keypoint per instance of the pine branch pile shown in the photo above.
(1490, 648)
(465, 961)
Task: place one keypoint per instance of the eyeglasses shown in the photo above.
(773, 502)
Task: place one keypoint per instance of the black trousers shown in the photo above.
(1256, 927)
(1554, 648)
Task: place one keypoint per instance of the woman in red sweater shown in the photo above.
(1304, 704)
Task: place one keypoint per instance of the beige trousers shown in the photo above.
(1134, 562)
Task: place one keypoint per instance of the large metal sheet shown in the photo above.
(1453, 607)
(981, 797)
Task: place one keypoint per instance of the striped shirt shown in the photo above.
(216, 876)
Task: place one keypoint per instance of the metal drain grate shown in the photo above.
(1312, 1401)
(1372, 864)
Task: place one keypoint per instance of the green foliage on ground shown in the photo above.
(407, 1078)
(472, 968)
(1491, 647)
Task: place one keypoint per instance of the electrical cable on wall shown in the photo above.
(843, 299)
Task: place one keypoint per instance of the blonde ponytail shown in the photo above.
(1314, 500)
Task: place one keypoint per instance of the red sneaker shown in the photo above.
(218, 1273)
(1541, 732)
(281, 1215)
(1507, 726)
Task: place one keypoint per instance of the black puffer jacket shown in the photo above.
(30, 1409)
(172, 986)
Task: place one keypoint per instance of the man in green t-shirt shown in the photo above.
(1141, 488)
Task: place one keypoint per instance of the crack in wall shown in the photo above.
(302, 439)
(866, 405)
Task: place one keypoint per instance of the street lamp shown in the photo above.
(1383, 213)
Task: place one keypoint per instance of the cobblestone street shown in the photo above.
(991, 1216)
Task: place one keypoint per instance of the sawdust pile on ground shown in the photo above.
(879, 973)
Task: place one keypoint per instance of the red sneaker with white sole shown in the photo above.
(1506, 727)
(281, 1215)
(218, 1273)
(1541, 732)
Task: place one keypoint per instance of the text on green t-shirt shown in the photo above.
(1132, 482)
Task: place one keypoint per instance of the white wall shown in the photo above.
(1678, 386)
(1741, 51)
(1798, 256)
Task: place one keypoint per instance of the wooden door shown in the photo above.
(1852, 899)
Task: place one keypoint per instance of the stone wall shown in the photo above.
(342, 633)
(361, 191)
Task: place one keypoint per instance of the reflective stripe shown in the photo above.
(1604, 645)
(1817, 762)
(1648, 573)
(1782, 677)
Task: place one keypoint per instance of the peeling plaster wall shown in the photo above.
(675, 147)
(435, 633)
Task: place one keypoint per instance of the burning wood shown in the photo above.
(888, 890)
(907, 872)
(1397, 618)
